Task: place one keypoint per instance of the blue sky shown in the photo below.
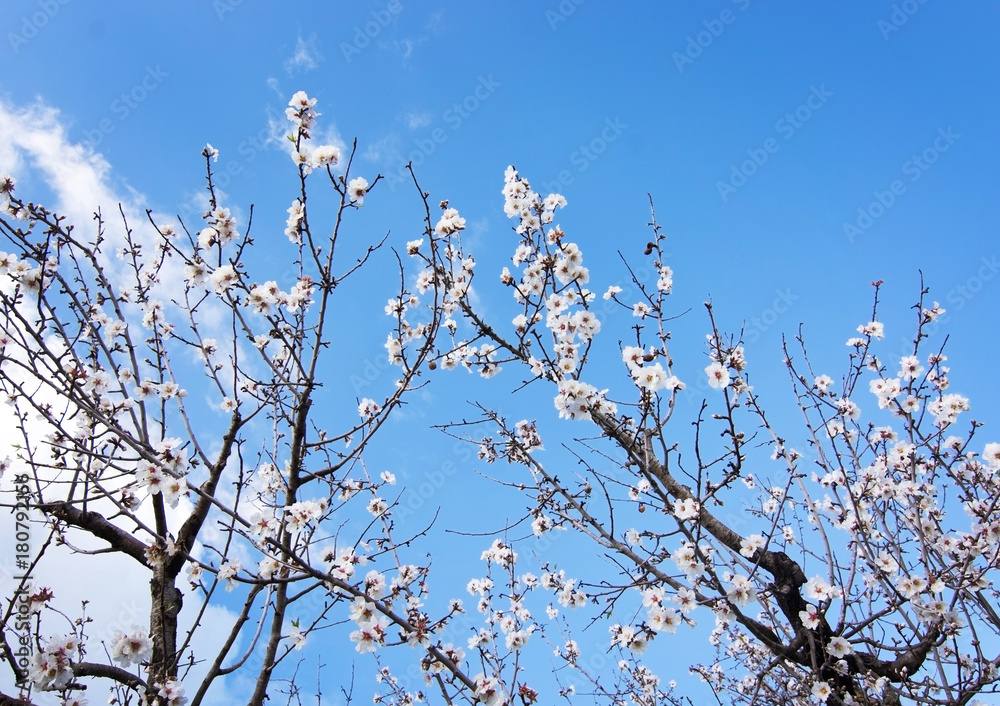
(552, 81)
(795, 152)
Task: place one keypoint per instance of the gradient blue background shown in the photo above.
(552, 77)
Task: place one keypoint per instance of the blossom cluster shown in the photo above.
(648, 376)
(52, 665)
(28, 278)
(133, 647)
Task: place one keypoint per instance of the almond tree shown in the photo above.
(854, 569)
(868, 573)
(100, 325)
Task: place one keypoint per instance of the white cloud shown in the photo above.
(415, 121)
(34, 138)
(383, 150)
(36, 149)
(306, 56)
(275, 86)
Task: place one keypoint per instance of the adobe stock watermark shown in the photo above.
(248, 149)
(754, 328)
(956, 298)
(32, 24)
(586, 154)
(370, 372)
(21, 600)
(416, 495)
(901, 14)
(758, 325)
(697, 44)
(366, 33)
(913, 168)
(122, 106)
(454, 117)
(960, 295)
(224, 7)
(562, 12)
(786, 126)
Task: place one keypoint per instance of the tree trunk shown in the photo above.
(166, 601)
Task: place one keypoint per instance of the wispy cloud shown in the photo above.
(406, 46)
(75, 181)
(275, 85)
(33, 139)
(415, 121)
(306, 56)
(384, 150)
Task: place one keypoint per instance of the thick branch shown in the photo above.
(97, 525)
(188, 532)
(788, 575)
(109, 671)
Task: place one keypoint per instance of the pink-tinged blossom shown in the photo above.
(947, 408)
(810, 617)
(991, 454)
(223, 278)
(172, 693)
(821, 690)
(370, 634)
(910, 367)
(849, 409)
(665, 282)
(664, 619)
(517, 639)
(823, 383)
(632, 356)
(818, 589)
(687, 509)
(325, 156)
(449, 223)
(934, 312)
(301, 110)
(368, 408)
(228, 571)
(741, 590)
(377, 507)
(149, 476)
(838, 647)
(553, 201)
(356, 190)
(173, 490)
(131, 648)
(718, 376)
(885, 390)
(750, 545)
(577, 399)
(873, 329)
(303, 513)
(52, 666)
(650, 377)
(362, 611)
(267, 567)
(686, 559)
(686, 599)
(489, 692)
